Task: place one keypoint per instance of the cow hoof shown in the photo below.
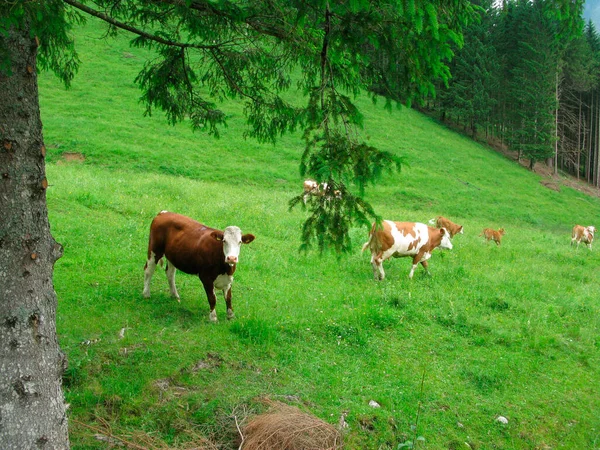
(230, 314)
(213, 316)
(146, 294)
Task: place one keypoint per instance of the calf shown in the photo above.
(493, 235)
(585, 234)
(399, 239)
(442, 222)
(196, 249)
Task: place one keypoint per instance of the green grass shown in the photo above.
(511, 330)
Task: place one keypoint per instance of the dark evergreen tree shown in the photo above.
(533, 85)
(206, 51)
(468, 96)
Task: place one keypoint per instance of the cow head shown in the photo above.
(592, 230)
(445, 242)
(232, 241)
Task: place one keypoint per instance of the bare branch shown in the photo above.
(137, 31)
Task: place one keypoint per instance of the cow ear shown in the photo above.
(247, 238)
(442, 231)
(218, 235)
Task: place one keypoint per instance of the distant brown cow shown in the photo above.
(585, 234)
(442, 222)
(195, 249)
(493, 235)
(399, 239)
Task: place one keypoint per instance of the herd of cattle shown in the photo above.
(212, 254)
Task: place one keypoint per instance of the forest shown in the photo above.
(525, 82)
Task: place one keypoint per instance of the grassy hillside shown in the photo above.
(509, 331)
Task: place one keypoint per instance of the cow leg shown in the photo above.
(377, 264)
(170, 271)
(425, 265)
(416, 260)
(149, 269)
(227, 294)
(209, 288)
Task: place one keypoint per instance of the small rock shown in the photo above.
(374, 404)
(502, 419)
(342, 422)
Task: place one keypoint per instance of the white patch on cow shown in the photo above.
(232, 243)
(412, 270)
(148, 272)
(223, 282)
(446, 242)
(171, 279)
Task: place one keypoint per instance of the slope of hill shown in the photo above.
(510, 330)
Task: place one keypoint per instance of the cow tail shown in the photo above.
(366, 244)
(372, 242)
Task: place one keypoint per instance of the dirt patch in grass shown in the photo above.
(68, 157)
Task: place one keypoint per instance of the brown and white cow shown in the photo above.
(585, 234)
(195, 249)
(311, 187)
(400, 239)
(442, 222)
(493, 235)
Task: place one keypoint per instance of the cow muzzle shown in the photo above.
(231, 260)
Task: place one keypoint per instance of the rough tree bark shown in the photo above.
(32, 407)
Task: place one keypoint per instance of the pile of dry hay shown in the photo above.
(285, 427)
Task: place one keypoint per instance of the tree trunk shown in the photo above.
(597, 146)
(552, 161)
(590, 140)
(556, 126)
(32, 407)
(578, 164)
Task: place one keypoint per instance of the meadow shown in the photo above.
(510, 330)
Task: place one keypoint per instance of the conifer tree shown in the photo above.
(205, 51)
(579, 78)
(469, 92)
